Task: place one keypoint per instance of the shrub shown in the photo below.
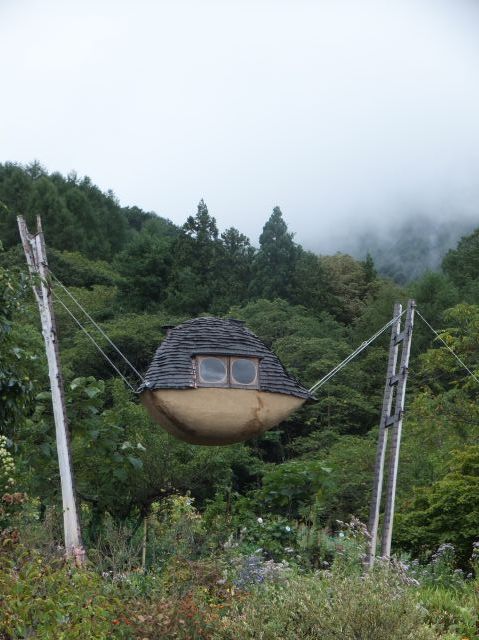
(377, 606)
(452, 612)
(50, 600)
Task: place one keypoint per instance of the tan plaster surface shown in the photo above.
(214, 416)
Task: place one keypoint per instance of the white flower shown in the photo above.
(287, 528)
(260, 520)
(341, 535)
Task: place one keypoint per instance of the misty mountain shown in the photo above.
(409, 249)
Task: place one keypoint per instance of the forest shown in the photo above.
(263, 539)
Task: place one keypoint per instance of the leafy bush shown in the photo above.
(452, 611)
(446, 511)
(377, 606)
(50, 600)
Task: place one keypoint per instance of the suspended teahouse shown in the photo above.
(214, 382)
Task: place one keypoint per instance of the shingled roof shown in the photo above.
(172, 364)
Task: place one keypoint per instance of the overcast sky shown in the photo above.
(342, 112)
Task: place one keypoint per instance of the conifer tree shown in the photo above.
(275, 262)
(196, 253)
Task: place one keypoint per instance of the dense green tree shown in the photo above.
(112, 224)
(86, 223)
(57, 221)
(135, 271)
(99, 301)
(15, 190)
(196, 264)
(73, 269)
(275, 263)
(275, 319)
(145, 266)
(311, 286)
(295, 488)
(235, 256)
(136, 335)
(370, 272)
(462, 266)
(446, 511)
(350, 283)
(434, 293)
(17, 354)
(136, 217)
(76, 215)
(351, 460)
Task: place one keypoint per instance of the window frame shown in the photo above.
(230, 382)
(202, 383)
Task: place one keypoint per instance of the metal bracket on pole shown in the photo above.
(395, 390)
(35, 253)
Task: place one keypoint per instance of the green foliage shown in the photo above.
(295, 488)
(350, 282)
(351, 460)
(77, 216)
(73, 269)
(234, 269)
(462, 338)
(311, 285)
(275, 262)
(284, 492)
(99, 301)
(7, 466)
(16, 386)
(15, 191)
(46, 599)
(145, 266)
(446, 511)
(275, 319)
(372, 607)
(462, 264)
(137, 336)
(196, 252)
(452, 611)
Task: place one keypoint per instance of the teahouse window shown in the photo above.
(213, 370)
(227, 371)
(243, 371)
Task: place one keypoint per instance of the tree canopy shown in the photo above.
(135, 272)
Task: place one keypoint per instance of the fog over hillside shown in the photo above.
(402, 248)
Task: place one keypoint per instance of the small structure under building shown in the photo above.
(214, 382)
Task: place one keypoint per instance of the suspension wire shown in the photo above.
(463, 364)
(94, 341)
(97, 326)
(355, 353)
(313, 389)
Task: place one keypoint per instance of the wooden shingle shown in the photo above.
(172, 364)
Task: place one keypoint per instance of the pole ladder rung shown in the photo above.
(389, 421)
(393, 380)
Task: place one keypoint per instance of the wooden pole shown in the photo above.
(383, 436)
(397, 430)
(35, 253)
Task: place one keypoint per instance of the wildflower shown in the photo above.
(260, 520)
